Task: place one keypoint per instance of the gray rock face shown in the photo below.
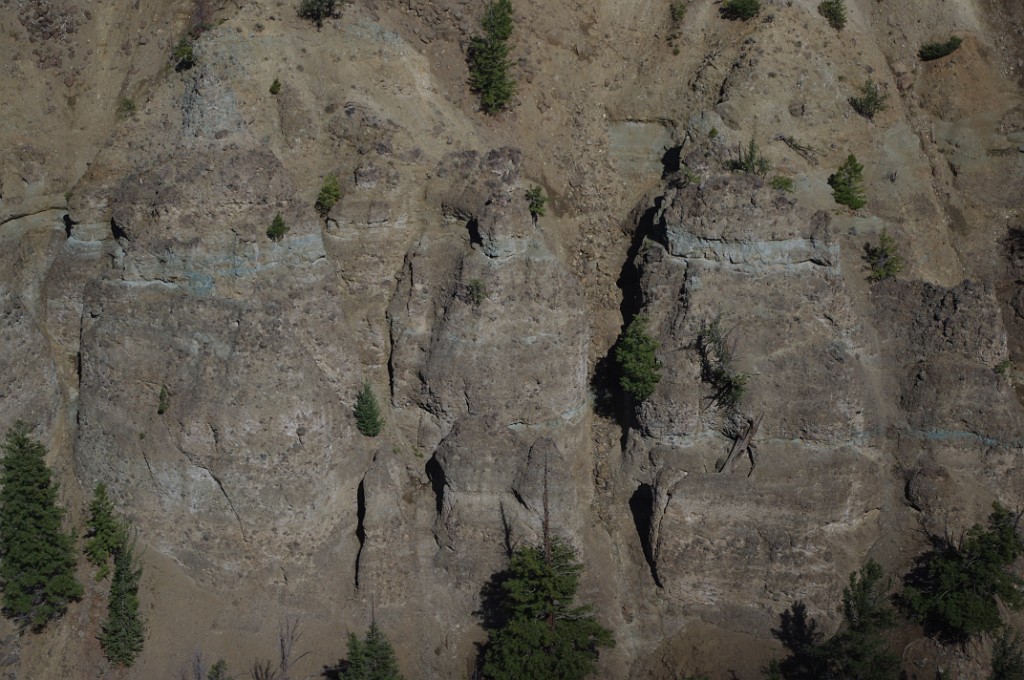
(135, 263)
(738, 546)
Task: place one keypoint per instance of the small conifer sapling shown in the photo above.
(104, 534)
(367, 412)
(848, 184)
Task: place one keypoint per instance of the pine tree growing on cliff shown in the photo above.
(957, 588)
(848, 184)
(124, 633)
(635, 356)
(37, 563)
(535, 630)
(367, 412)
(488, 58)
(103, 532)
(371, 658)
(545, 637)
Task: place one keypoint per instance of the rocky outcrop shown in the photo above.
(160, 341)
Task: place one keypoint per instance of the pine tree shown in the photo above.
(954, 590)
(37, 562)
(123, 633)
(544, 636)
(638, 366)
(219, 671)
(858, 652)
(848, 184)
(1007, 657)
(371, 658)
(367, 412)
(488, 58)
(103, 532)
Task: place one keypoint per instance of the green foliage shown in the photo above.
(277, 228)
(884, 259)
(677, 11)
(635, 356)
(275, 86)
(126, 109)
(848, 184)
(716, 359)
(1007, 657)
(542, 635)
(123, 632)
(740, 9)
(858, 651)
(835, 12)
(938, 50)
(535, 196)
(752, 162)
(104, 534)
(782, 183)
(367, 412)
(476, 292)
(371, 658)
(317, 11)
(954, 589)
(330, 193)
(37, 562)
(219, 671)
(163, 401)
(488, 59)
(866, 600)
(871, 100)
(183, 55)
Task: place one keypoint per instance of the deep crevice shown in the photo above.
(671, 161)
(360, 529)
(438, 480)
(473, 227)
(629, 277)
(610, 400)
(68, 224)
(116, 231)
(641, 505)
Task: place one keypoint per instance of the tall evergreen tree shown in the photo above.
(37, 563)
(488, 58)
(124, 633)
(371, 658)
(544, 636)
(103, 532)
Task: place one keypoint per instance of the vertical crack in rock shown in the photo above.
(641, 505)
(438, 481)
(149, 467)
(360, 529)
(220, 485)
(629, 276)
(610, 399)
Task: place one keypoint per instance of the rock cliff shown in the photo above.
(134, 204)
